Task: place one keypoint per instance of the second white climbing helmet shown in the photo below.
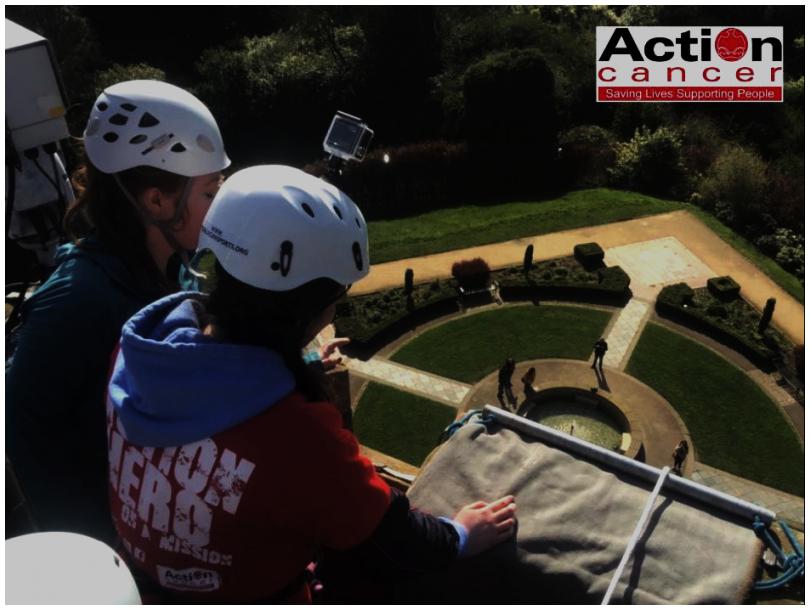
(276, 228)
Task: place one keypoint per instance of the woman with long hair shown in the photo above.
(154, 157)
(230, 470)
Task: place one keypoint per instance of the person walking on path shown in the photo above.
(600, 348)
(679, 455)
(505, 383)
(528, 383)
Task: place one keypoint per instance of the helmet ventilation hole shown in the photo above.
(286, 257)
(204, 143)
(110, 137)
(357, 222)
(338, 212)
(102, 106)
(358, 256)
(129, 107)
(139, 139)
(275, 266)
(147, 120)
(178, 148)
(118, 119)
(308, 210)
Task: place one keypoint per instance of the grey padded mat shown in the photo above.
(575, 520)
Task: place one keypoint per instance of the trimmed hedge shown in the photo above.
(564, 279)
(590, 255)
(375, 319)
(724, 288)
(733, 323)
(371, 318)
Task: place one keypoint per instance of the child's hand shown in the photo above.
(330, 353)
(487, 524)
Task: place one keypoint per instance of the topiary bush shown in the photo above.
(723, 288)
(471, 274)
(590, 255)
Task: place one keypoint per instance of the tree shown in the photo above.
(737, 186)
(118, 73)
(510, 116)
(651, 162)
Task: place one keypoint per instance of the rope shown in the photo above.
(631, 546)
(792, 565)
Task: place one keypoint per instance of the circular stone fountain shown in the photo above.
(586, 415)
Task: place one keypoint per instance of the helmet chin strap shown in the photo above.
(164, 226)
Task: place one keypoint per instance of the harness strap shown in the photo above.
(631, 545)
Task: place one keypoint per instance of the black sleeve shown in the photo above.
(406, 543)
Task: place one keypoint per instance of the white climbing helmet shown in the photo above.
(276, 228)
(148, 122)
(66, 568)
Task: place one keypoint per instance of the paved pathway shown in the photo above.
(708, 248)
(411, 380)
(625, 332)
(787, 507)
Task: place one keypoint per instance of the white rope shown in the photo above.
(631, 546)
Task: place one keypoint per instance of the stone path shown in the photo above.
(625, 332)
(787, 507)
(411, 380)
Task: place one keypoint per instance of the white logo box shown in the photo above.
(670, 64)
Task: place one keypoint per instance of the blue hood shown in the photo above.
(172, 385)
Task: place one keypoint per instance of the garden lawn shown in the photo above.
(399, 424)
(734, 425)
(470, 348)
(464, 227)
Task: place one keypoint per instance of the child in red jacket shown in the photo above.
(229, 467)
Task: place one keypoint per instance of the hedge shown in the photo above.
(380, 316)
(724, 288)
(564, 279)
(733, 323)
(375, 319)
(590, 255)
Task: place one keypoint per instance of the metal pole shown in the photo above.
(571, 444)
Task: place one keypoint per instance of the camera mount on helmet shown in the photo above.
(347, 139)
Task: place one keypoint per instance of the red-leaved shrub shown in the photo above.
(471, 274)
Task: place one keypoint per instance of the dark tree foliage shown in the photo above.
(510, 118)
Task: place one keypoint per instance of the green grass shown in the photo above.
(464, 227)
(472, 347)
(734, 425)
(399, 424)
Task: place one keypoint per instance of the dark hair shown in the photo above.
(102, 210)
(276, 320)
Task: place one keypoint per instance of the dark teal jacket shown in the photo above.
(55, 388)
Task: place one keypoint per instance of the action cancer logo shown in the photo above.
(731, 44)
(689, 64)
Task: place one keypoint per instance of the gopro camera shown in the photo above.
(348, 137)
